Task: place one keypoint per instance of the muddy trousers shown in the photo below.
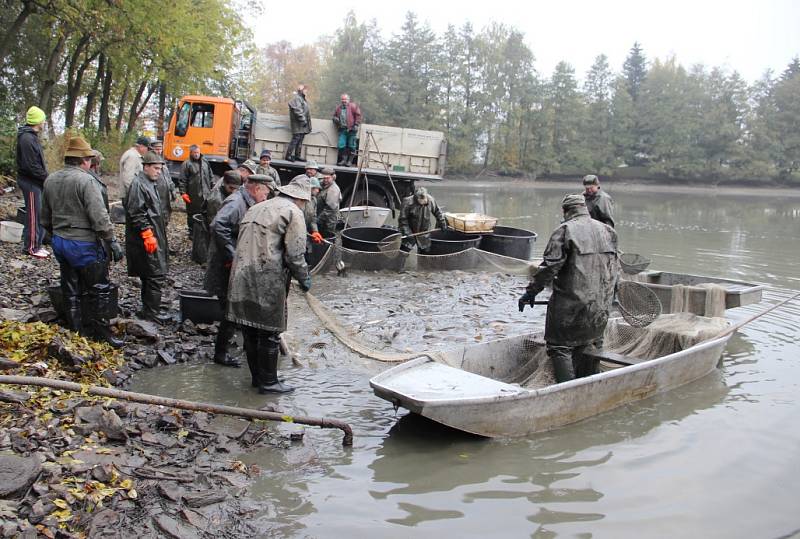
(88, 290)
(295, 146)
(262, 348)
(569, 362)
(152, 286)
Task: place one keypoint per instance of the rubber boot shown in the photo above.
(561, 356)
(70, 291)
(100, 325)
(151, 305)
(250, 341)
(73, 314)
(340, 158)
(350, 156)
(269, 349)
(224, 334)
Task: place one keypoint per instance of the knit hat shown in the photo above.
(78, 147)
(315, 183)
(573, 200)
(35, 116)
(266, 153)
(152, 158)
(591, 179)
(299, 187)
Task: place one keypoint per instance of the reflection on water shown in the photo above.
(684, 463)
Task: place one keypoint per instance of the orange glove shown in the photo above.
(186, 198)
(150, 241)
(316, 237)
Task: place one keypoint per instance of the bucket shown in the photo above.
(200, 307)
(57, 300)
(507, 241)
(10, 231)
(445, 242)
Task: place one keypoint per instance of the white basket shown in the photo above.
(10, 231)
(470, 222)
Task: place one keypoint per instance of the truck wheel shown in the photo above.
(377, 197)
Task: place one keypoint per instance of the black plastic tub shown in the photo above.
(445, 242)
(57, 299)
(508, 241)
(365, 238)
(200, 307)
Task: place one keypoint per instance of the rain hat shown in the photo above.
(299, 187)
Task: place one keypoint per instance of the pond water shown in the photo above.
(717, 458)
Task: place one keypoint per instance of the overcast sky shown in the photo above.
(749, 36)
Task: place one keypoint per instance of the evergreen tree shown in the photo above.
(635, 70)
(597, 131)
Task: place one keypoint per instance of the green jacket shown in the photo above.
(601, 207)
(270, 251)
(415, 217)
(195, 180)
(143, 210)
(272, 173)
(73, 207)
(328, 201)
(580, 263)
(299, 114)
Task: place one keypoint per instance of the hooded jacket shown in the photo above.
(30, 158)
(143, 210)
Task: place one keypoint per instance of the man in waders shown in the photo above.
(419, 213)
(224, 231)
(270, 251)
(580, 263)
(599, 203)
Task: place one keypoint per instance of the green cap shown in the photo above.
(35, 116)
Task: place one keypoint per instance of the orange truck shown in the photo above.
(230, 131)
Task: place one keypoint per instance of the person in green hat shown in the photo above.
(31, 174)
(76, 214)
(580, 264)
(146, 237)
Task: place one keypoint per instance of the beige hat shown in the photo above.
(573, 200)
(152, 158)
(249, 165)
(78, 147)
(299, 187)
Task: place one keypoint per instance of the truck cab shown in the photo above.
(221, 127)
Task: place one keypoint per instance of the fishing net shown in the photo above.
(638, 304)
(707, 299)
(632, 263)
(471, 259)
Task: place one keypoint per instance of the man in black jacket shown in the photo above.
(31, 173)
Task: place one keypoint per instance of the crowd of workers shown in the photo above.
(259, 233)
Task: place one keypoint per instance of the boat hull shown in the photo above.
(516, 411)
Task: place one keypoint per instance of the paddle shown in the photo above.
(393, 241)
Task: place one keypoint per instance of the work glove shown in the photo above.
(186, 198)
(116, 251)
(305, 286)
(526, 299)
(316, 237)
(150, 241)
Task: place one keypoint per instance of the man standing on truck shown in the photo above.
(194, 182)
(328, 201)
(347, 118)
(417, 214)
(146, 237)
(580, 263)
(300, 121)
(264, 168)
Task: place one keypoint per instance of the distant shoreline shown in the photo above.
(626, 185)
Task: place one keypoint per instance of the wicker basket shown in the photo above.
(470, 222)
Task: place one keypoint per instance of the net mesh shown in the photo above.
(638, 304)
(471, 259)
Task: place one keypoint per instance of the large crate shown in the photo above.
(470, 223)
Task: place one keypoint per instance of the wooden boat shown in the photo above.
(737, 293)
(476, 388)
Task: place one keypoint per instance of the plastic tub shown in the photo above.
(200, 307)
(445, 242)
(10, 231)
(508, 241)
(365, 238)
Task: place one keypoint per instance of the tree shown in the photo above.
(597, 131)
(635, 70)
